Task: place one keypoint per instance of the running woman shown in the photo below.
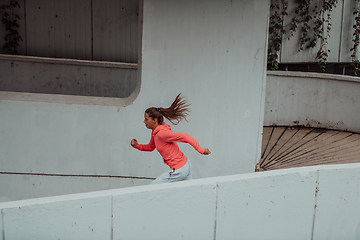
(165, 140)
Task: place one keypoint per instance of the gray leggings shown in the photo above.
(181, 174)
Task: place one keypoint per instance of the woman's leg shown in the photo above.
(183, 173)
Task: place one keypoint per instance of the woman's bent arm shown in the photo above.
(144, 147)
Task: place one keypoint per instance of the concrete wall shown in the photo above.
(319, 202)
(68, 77)
(203, 49)
(312, 99)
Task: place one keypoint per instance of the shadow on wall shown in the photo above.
(67, 77)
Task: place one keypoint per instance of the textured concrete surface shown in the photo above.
(80, 218)
(337, 205)
(178, 212)
(314, 203)
(252, 207)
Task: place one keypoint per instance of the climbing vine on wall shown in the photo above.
(10, 18)
(322, 30)
(276, 31)
(302, 19)
(313, 23)
(356, 38)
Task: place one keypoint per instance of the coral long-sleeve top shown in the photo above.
(165, 141)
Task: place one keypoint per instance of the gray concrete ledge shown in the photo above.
(65, 61)
(64, 99)
(313, 75)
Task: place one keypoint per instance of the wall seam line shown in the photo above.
(3, 224)
(112, 218)
(315, 204)
(216, 207)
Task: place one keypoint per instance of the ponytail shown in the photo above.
(175, 113)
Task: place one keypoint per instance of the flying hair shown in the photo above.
(178, 111)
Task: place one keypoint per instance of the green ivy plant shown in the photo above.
(320, 32)
(322, 22)
(10, 19)
(356, 38)
(307, 14)
(302, 19)
(276, 31)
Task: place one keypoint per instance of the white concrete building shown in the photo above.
(213, 52)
